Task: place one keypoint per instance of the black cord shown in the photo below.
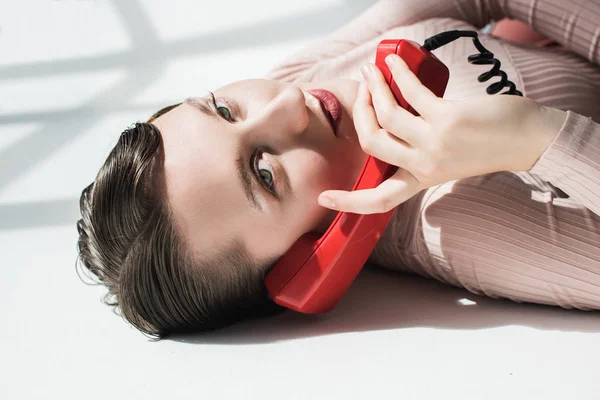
(485, 57)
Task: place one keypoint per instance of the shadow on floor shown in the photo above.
(381, 299)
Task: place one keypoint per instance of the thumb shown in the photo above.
(389, 194)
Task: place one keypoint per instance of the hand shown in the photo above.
(449, 140)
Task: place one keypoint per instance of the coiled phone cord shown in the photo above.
(486, 57)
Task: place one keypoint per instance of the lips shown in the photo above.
(331, 106)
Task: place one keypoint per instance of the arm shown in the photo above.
(573, 26)
(373, 22)
(510, 236)
(504, 235)
(572, 161)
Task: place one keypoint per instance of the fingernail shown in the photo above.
(326, 202)
(391, 59)
(366, 71)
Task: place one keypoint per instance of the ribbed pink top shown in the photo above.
(529, 235)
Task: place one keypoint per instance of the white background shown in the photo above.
(73, 75)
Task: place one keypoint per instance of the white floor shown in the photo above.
(73, 75)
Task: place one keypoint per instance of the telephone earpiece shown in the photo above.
(317, 270)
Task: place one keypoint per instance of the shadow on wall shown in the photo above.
(380, 299)
(143, 67)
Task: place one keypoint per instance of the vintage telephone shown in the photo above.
(316, 271)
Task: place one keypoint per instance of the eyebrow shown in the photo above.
(202, 104)
(244, 176)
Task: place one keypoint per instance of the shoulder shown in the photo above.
(341, 59)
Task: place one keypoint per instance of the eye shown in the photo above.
(262, 169)
(222, 110)
(265, 175)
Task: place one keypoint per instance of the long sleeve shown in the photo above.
(572, 161)
(511, 235)
(572, 24)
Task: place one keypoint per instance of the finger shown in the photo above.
(373, 139)
(383, 99)
(391, 116)
(389, 194)
(423, 100)
(363, 113)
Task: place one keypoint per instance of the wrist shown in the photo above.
(548, 123)
(554, 119)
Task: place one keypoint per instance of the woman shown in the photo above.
(192, 208)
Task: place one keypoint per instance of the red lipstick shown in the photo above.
(331, 106)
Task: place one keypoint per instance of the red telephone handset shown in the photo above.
(316, 271)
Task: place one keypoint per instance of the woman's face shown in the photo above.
(296, 147)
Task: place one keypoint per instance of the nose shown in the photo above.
(286, 115)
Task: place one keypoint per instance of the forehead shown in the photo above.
(198, 171)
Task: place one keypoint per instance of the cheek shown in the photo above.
(314, 173)
(345, 165)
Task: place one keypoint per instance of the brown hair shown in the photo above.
(129, 241)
